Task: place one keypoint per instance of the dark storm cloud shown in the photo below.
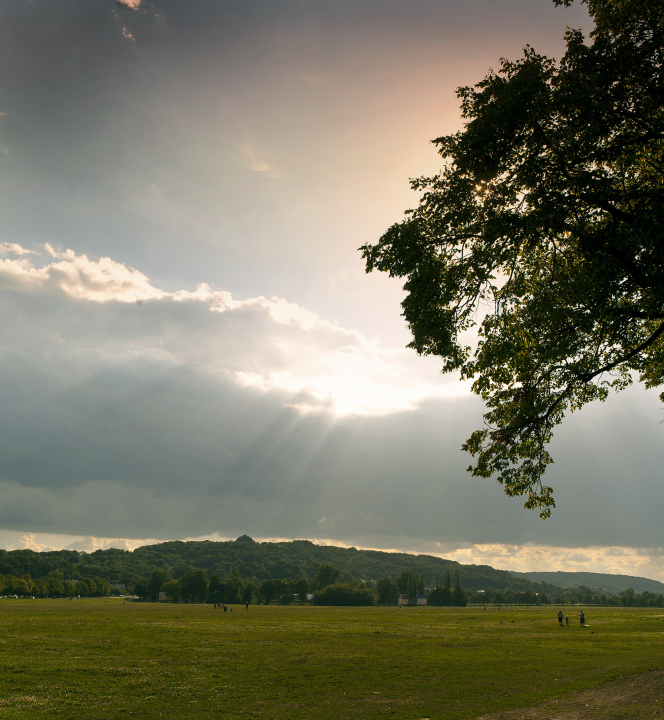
(111, 405)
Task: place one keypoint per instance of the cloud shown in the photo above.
(259, 165)
(91, 543)
(132, 4)
(98, 281)
(130, 411)
(259, 343)
(28, 542)
(15, 249)
(638, 562)
(127, 34)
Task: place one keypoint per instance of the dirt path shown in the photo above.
(637, 697)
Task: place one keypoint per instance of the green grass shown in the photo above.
(114, 659)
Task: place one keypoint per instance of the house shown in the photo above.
(404, 599)
(421, 599)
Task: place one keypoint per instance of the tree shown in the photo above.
(344, 594)
(408, 583)
(194, 586)
(234, 587)
(386, 592)
(216, 590)
(157, 579)
(546, 221)
(326, 575)
(248, 592)
(273, 589)
(441, 596)
(172, 590)
(458, 595)
(301, 588)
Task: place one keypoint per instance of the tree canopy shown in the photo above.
(544, 232)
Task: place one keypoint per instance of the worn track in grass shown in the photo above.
(637, 697)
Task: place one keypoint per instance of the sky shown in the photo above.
(190, 346)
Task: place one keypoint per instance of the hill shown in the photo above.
(611, 584)
(254, 561)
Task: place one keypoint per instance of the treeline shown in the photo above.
(255, 562)
(53, 586)
(625, 598)
(196, 586)
(323, 589)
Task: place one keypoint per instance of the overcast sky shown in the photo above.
(190, 346)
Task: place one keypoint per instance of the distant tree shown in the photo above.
(54, 587)
(344, 594)
(301, 588)
(458, 595)
(195, 586)
(441, 596)
(216, 590)
(284, 591)
(234, 587)
(22, 588)
(172, 590)
(269, 589)
(248, 592)
(87, 587)
(158, 578)
(140, 589)
(326, 575)
(408, 583)
(627, 597)
(103, 587)
(386, 592)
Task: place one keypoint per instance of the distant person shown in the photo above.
(225, 608)
(582, 618)
(247, 605)
(567, 620)
(560, 618)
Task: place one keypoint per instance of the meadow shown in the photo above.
(116, 659)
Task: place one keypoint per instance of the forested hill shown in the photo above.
(610, 583)
(253, 560)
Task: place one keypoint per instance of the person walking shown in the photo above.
(582, 618)
(560, 618)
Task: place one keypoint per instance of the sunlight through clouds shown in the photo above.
(264, 343)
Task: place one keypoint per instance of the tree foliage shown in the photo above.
(327, 575)
(256, 562)
(344, 594)
(409, 583)
(386, 592)
(544, 232)
(441, 596)
(458, 595)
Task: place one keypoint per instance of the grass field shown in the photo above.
(113, 659)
